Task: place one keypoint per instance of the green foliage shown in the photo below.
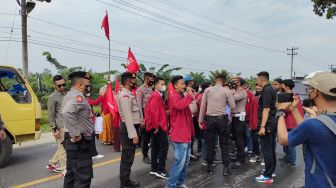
(327, 7)
(198, 77)
(213, 74)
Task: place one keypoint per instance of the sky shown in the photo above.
(241, 36)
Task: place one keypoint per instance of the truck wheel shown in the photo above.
(6, 149)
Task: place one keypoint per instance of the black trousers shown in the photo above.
(238, 128)
(198, 136)
(268, 145)
(79, 163)
(127, 155)
(159, 150)
(255, 142)
(217, 125)
(145, 140)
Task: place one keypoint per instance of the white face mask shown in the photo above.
(163, 88)
(199, 89)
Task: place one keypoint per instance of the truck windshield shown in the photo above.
(14, 85)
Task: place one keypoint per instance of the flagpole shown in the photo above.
(109, 73)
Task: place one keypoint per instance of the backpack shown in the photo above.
(331, 125)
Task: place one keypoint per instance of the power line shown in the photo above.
(11, 33)
(205, 17)
(194, 30)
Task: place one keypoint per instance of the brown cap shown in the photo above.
(325, 82)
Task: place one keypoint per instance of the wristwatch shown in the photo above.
(280, 113)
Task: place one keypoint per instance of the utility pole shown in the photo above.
(331, 67)
(24, 14)
(292, 53)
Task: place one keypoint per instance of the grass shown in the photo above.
(45, 127)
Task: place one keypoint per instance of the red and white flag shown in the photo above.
(117, 85)
(105, 25)
(132, 64)
(111, 103)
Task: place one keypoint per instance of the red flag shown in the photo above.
(105, 25)
(117, 85)
(132, 64)
(170, 88)
(112, 104)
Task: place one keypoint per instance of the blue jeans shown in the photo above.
(248, 138)
(290, 153)
(179, 169)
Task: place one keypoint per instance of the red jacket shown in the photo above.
(99, 101)
(290, 120)
(181, 126)
(248, 109)
(155, 113)
(253, 117)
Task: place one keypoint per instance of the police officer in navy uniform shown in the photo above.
(78, 128)
(130, 119)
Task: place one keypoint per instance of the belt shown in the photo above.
(67, 136)
(217, 117)
(237, 114)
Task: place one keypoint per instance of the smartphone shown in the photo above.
(285, 97)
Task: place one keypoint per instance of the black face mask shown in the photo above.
(258, 93)
(88, 88)
(150, 83)
(132, 85)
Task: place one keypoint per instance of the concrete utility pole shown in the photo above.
(292, 53)
(24, 15)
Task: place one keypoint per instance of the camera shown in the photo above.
(308, 103)
(285, 97)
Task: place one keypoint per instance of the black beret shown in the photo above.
(80, 74)
(127, 75)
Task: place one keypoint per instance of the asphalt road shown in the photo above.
(26, 168)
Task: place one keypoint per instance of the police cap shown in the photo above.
(127, 75)
(80, 74)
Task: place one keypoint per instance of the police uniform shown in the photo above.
(76, 113)
(143, 94)
(130, 118)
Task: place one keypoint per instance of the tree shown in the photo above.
(54, 62)
(198, 77)
(327, 7)
(213, 74)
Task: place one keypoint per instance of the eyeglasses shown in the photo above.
(61, 85)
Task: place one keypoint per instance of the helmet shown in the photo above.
(188, 78)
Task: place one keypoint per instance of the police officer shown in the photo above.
(214, 102)
(143, 94)
(130, 118)
(78, 128)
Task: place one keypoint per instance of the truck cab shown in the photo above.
(20, 111)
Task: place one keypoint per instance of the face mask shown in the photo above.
(257, 93)
(311, 100)
(88, 88)
(150, 83)
(132, 85)
(199, 89)
(163, 88)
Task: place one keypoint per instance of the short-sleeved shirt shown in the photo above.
(268, 99)
(320, 143)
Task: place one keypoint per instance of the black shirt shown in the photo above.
(268, 99)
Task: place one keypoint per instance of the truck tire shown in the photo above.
(6, 149)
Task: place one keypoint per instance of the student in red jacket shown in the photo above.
(181, 131)
(157, 124)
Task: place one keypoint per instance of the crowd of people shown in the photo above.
(197, 121)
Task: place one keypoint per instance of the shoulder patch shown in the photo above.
(79, 98)
(139, 93)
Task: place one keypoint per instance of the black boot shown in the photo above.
(147, 160)
(210, 169)
(133, 183)
(226, 171)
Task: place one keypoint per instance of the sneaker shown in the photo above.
(182, 186)
(290, 165)
(217, 161)
(53, 168)
(152, 172)
(263, 179)
(206, 164)
(63, 174)
(253, 159)
(163, 175)
(194, 157)
(274, 175)
(146, 160)
(283, 160)
(98, 156)
(262, 162)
